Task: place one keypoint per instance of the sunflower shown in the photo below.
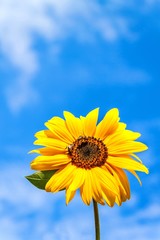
(89, 156)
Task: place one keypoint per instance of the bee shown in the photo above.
(80, 137)
(70, 147)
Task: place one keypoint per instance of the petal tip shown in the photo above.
(115, 110)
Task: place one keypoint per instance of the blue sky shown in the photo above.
(67, 55)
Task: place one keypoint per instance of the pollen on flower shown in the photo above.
(88, 152)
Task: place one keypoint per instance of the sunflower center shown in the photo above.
(88, 152)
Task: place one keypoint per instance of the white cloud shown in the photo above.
(29, 213)
(8, 229)
(23, 206)
(16, 191)
(20, 93)
(141, 224)
(53, 21)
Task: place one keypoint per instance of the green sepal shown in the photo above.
(39, 179)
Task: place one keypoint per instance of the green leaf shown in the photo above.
(39, 179)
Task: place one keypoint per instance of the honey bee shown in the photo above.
(70, 147)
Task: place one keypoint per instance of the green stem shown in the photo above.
(96, 219)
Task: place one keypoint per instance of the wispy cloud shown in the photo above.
(53, 22)
(22, 206)
(29, 213)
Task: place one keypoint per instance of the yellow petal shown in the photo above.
(127, 147)
(121, 127)
(52, 143)
(69, 195)
(127, 163)
(46, 151)
(86, 189)
(50, 162)
(108, 125)
(96, 187)
(136, 157)
(78, 179)
(89, 122)
(44, 134)
(61, 179)
(108, 196)
(58, 127)
(122, 181)
(121, 137)
(118, 201)
(73, 124)
(107, 179)
(136, 176)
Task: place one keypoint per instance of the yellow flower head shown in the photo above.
(89, 157)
